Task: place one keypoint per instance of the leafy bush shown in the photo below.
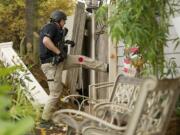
(8, 125)
(12, 19)
(144, 24)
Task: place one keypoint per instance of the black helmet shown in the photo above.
(57, 16)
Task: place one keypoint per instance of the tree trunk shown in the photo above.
(29, 24)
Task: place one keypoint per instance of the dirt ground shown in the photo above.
(173, 128)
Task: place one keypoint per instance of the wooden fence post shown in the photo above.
(77, 37)
(22, 47)
(36, 48)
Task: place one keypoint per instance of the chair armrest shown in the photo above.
(108, 110)
(93, 88)
(110, 105)
(68, 116)
(75, 98)
(100, 84)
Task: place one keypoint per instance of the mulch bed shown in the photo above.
(174, 126)
(54, 131)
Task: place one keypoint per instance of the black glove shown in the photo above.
(65, 49)
(70, 42)
(59, 58)
(65, 31)
(62, 55)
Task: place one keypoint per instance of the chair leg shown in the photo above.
(69, 131)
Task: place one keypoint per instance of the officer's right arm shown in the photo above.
(48, 32)
(50, 45)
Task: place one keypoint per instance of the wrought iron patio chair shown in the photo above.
(151, 114)
(114, 110)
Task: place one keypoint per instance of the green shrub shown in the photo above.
(8, 125)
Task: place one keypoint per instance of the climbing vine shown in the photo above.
(144, 24)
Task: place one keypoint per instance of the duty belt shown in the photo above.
(49, 60)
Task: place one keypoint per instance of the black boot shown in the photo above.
(48, 124)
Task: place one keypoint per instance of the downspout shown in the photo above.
(92, 74)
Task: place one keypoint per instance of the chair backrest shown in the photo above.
(125, 91)
(155, 104)
(122, 100)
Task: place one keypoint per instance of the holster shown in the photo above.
(49, 60)
(54, 60)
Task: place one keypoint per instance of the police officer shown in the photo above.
(54, 60)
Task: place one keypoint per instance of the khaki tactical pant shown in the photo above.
(54, 77)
